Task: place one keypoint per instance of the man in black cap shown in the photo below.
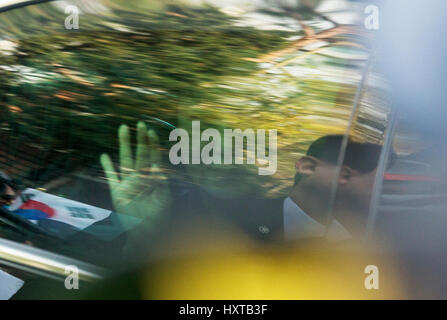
(306, 208)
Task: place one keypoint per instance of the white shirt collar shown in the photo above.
(298, 225)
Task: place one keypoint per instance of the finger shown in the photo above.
(109, 170)
(154, 144)
(142, 156)
(126, 161)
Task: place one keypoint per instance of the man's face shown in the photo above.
(353, 198)
(356, 187)
(353, 188)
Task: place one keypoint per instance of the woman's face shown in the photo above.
(8, 196)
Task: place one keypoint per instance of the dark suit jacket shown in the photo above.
(259, 218)
(195, 211)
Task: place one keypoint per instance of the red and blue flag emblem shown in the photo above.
(35, 210)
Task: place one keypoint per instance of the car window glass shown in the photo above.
(67, 91)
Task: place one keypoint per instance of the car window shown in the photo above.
(105, 107)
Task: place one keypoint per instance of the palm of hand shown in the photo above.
(141, 190)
